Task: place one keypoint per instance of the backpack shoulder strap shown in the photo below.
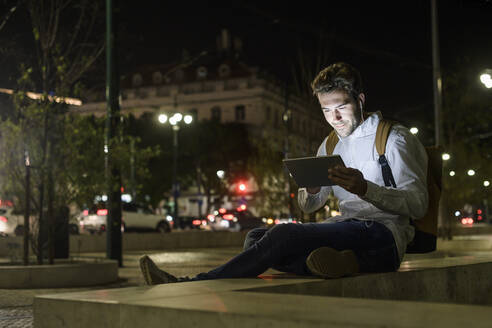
(382, 133)
(331, 142)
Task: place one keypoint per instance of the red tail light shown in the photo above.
(210, 216)
(228, 217)
(222, 210)
(85, 213)
(3, 219)
(102, 212)
(197, 222)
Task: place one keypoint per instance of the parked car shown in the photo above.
(134, 218)
(233, 220)
(11, 223)
(190, 222)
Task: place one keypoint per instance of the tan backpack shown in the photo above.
(426, 227)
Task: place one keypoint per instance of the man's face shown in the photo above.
(341, 111)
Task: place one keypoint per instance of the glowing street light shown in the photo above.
(486, 183)
(162, 118)
(486, 78)
(188, 119)
(220, 174)
(471, 172)
(174, 120)
(452, 173)
(178, 117)
(446, 156)
(414, 130)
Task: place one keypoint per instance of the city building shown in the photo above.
(219, 86)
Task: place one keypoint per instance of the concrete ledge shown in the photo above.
(466, 243)
(60, 274)
(12, 246)
(286, 301)
(228, 303)
(465, 284)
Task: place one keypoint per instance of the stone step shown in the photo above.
(422, 294)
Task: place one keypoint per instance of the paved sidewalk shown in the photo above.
(16, 304)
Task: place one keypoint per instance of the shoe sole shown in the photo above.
(145, 269)
(327, 262)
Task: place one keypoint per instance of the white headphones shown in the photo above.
(361, 113)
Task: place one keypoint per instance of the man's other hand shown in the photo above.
(349, 179)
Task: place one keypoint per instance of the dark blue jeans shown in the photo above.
(285, 247)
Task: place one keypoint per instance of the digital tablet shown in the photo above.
(312, 171)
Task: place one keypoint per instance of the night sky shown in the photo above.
(389, 41)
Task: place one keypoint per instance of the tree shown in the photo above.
(466, 118)
(66, 151)
(210, 146)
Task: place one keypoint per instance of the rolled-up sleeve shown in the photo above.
(312, 202)
(408, 161)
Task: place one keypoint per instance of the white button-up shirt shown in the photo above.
(390, 206)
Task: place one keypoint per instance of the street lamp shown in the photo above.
(486, 78)
(175, 121)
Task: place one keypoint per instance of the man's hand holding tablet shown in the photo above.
(349, 179)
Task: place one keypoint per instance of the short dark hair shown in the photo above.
(338, 76)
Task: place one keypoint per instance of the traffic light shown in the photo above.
(241, 187)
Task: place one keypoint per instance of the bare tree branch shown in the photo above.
(9, 14)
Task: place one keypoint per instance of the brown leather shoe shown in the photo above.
(327, 262)
(152, 274)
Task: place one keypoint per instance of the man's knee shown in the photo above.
(253, 236)
(281, 231)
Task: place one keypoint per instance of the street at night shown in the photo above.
(245, 163)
